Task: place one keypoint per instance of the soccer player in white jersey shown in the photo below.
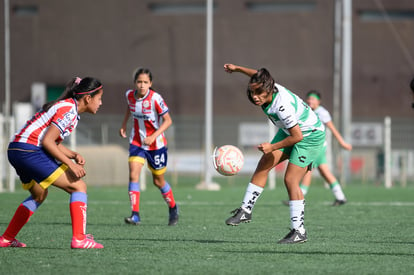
(41, 160)
(313, 98)
(147, 142)
(300, 138)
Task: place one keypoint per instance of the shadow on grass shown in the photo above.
(322, 253)
(178, 240)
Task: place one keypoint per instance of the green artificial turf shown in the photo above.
(371, 234)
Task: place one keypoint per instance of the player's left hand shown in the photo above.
(149, 140)
(79, 159)
(229, 68)
(265, 147)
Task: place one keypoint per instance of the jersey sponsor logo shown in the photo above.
(281, 109)
(66, 120)
(139, 116)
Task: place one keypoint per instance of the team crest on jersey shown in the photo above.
(146, 107)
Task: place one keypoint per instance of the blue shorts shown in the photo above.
(34, 165)
(156, 159)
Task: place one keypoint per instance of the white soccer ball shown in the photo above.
(228, 160)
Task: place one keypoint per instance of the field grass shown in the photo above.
(372, 234)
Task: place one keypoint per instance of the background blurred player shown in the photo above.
(41, 160)
(313, 98)
(300, 137)
(147, 142)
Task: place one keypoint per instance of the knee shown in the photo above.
(79, 186)
(158, 180)
(290, 182)
(41, 196)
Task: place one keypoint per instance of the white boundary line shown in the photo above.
(205, 203)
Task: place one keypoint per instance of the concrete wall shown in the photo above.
(108, 39)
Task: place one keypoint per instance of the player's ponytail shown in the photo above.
(77, 88)
(264, 82)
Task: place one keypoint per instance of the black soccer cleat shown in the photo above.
(134, 219)
(339, 202)
(294, 236)
(173, 216)
(239, 216)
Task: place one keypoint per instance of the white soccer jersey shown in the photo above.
(287, 110)
(323, 114)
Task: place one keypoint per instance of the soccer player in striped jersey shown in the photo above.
(41, 160)
(147, 142)
(300, 138)
(313, 98)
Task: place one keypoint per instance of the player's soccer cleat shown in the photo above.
(239, 216)
(294, 236)
(134, 219)
(12, 243)
(173, 216)
(87, 243)
(339, 202)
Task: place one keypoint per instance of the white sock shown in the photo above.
(337, 191)
(297, 215)
(250, 197)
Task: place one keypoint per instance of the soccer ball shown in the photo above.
(228, 160)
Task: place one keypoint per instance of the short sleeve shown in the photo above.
(160, 105)
(323, 115)
(64, 117)
(286, 114)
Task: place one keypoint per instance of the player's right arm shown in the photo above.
(338, 136)
(122, 131)
(295, 135)
(235, 68)
(49, 144)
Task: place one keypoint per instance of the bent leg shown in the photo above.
(306, 182)
(259, 178)
(333, 184)
(293, 176)
(165, 189)
(267, 162)
(326, 173)
(25, 211)
(77, 204)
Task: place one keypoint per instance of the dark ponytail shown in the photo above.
(264, 82)
(77, 88)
